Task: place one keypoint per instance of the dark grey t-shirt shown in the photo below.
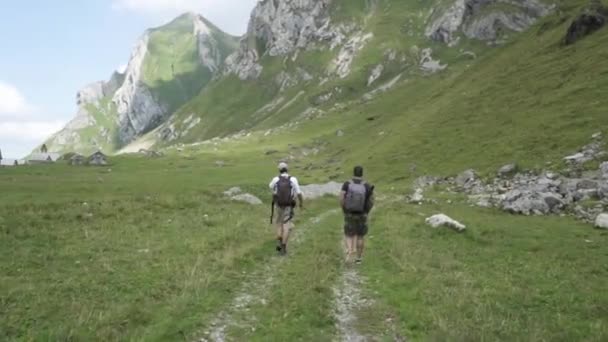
(357, 181)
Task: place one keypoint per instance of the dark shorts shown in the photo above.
(355, 224)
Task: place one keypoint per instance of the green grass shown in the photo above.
(94, 254)
(299, 305)
(506, 278)
(114, 270)
(141, 261)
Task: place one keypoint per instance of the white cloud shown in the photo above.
(12, 102)
(25, 131)
(230, 15)
(158, 5)
(19, 138)
(22, 125)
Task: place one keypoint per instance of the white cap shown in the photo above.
(283, 166)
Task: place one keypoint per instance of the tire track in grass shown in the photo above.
(348, 296)
(255, 288)
(348, 299)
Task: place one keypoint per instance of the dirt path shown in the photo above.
(347, 301)
(255, 289)
(348, 297)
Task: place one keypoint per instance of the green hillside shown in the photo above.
(151, 249)
(531, 100)
(172, 71)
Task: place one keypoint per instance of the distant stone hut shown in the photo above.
(43, 158)
(150, 153)
(77, 160)
(98, 159)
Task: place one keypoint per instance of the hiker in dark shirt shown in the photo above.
(356, 200)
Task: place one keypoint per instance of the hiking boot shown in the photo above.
(283, 249)
(348, 259)
(279, 245)
(358, 261)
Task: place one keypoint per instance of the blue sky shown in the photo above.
(50, 49)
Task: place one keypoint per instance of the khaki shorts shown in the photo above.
(283, 215)
(355, 225)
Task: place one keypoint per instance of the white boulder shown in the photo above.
(442, 220)
(247, 198)
(236, 194)
(314, 191)
(601, 221)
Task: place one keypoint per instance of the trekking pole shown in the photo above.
(272, 212)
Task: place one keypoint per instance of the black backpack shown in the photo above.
(284, 197)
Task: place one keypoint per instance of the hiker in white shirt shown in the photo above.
(285, 190)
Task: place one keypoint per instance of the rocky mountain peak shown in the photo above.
(483, 19)
(277, 28)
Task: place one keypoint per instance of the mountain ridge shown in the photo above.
(168, 65)
(300, 61)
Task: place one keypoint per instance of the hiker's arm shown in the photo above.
(298, 191)
(342, 196)
(370, 204)
(370, 201)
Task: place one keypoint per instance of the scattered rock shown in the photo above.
(341, 65)
(592, 20)
(440, 220)
(271, 152)
(577, 158)
(236, 194)
(586, 184)
(601, 221)
(428, 64)
(426, 181)
(588, 153)
(531, 194)
(417, 197)
(339, 133)
(150, 154)
(507, 170)
(375, 74)
(247, 198)
(604, 170)
(220, 163)
(233, 191)
(314, 191)
(466, 179)
(483, 200)
(476, 20)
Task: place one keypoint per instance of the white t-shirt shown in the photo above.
(295, 186)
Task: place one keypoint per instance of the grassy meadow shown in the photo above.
(149, 250)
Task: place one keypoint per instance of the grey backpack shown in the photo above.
(355, 199)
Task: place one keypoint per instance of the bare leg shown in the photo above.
(350, 247)
(360, 246)
(285, 231)
(279, 232)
